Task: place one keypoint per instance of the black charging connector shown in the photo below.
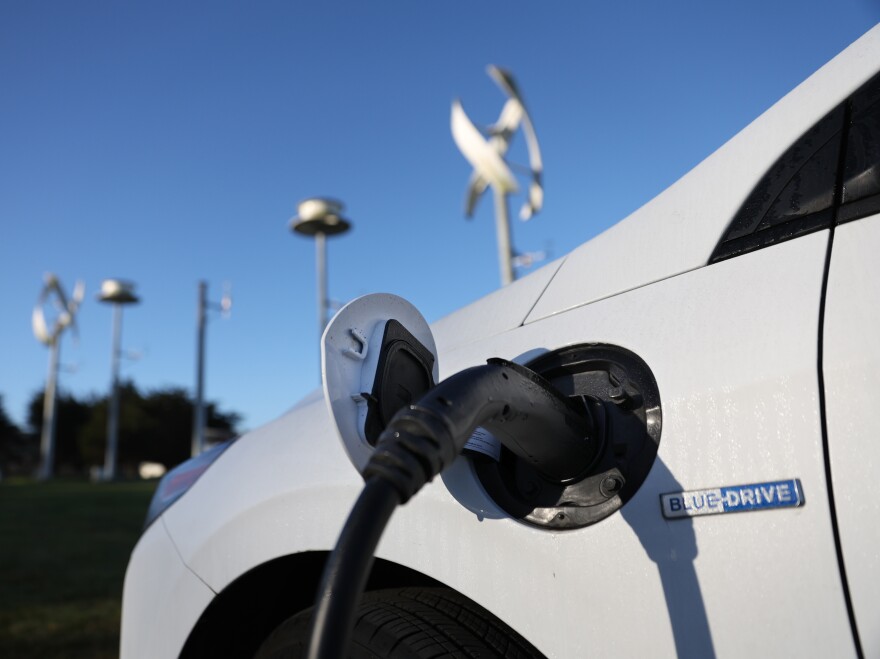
(527, 415)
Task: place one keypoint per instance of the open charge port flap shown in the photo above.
(621, 394)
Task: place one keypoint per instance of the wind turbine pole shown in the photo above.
(502, 228)
(47, 441)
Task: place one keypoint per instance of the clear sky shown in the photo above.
(167, 142)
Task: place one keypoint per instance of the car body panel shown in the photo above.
(282, 489)
(497, 312)
(739, 406)
(157, 578)
(851, 366)
(737, 409)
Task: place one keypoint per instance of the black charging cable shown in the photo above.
(515, 404)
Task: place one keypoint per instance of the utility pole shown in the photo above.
(199, 412)
(198, 438)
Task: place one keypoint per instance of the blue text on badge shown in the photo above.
(733, 499)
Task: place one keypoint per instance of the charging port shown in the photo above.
(621, 394)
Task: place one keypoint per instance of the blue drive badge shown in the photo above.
(733, 499)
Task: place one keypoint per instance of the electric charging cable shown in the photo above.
(519, 407)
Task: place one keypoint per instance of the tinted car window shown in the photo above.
(861, 174)
(795, 196)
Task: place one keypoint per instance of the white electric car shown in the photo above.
(723, 343)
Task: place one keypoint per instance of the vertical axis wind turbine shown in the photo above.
(486, 156)
(66, 317)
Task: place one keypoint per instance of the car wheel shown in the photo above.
(410, 623)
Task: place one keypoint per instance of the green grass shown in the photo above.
(63, 551)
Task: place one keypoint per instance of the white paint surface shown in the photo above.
(497, 312)
(851, 367)
(739, 405)
(162, 599)
(350, 350)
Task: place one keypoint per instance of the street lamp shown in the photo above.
(118, 293)
(318, 218)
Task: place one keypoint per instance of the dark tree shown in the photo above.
(135, 429)
(170, 429)
(155, 427)
(18, 451)
(170, 434)
(70, 416)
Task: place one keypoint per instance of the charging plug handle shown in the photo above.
(524, 412)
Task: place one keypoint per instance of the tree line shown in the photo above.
(154, 426)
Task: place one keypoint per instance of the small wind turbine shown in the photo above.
(65, 316)
(486, 156)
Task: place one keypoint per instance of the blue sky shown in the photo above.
(167, 142)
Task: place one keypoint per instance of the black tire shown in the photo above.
(411, 623)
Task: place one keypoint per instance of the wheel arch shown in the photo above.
(244, 613)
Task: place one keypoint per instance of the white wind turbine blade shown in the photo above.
(65, 317)
(38, 322)
(535, 199)
(475, 189)
(66, 309)
(536, 189)
(38, 318)
(504, 79)
(502, 131)
(79, 292)
(482, 156)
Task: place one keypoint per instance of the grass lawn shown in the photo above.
(63, 551)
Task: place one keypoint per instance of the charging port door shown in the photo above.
(377, 355)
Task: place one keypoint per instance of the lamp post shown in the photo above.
(319, 218)
(118, 293)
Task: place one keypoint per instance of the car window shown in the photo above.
(861, 172)
(794, 197)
